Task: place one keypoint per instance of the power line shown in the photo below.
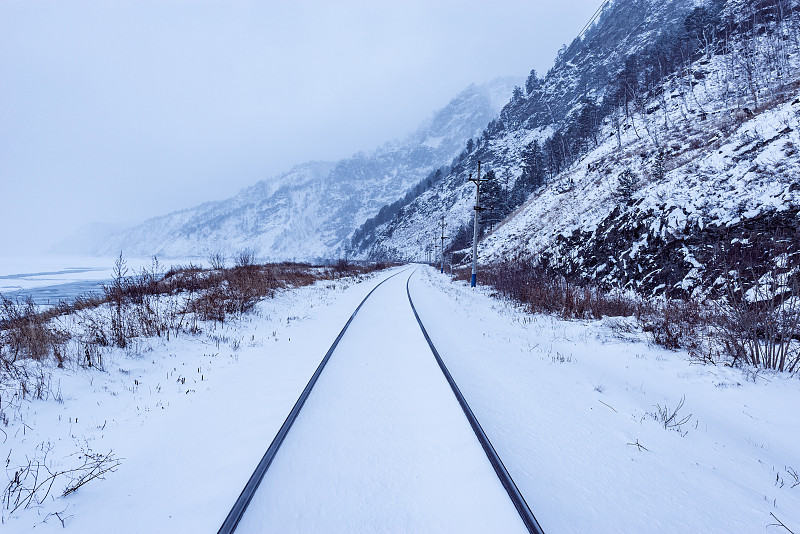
(594, 17)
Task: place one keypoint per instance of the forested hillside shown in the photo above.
(663, 133)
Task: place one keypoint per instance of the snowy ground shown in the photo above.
(564, 402)
(381, 444)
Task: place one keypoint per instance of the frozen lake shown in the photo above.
(48, 279)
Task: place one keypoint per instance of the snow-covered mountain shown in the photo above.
(310, 211)
(660, 141)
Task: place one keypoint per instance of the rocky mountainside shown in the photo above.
(653, 155)
(310, 211)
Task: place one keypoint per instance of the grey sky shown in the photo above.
(120, 110)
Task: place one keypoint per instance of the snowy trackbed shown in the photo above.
(502, 473)
(381, 443)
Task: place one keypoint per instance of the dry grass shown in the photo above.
(541, 290)
(26, 333)
(756, 323)
(149, 304)
(77, 335)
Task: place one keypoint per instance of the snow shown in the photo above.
(723, 164)
(565, 402)
(180, 417)
(433, 142)
(381, 444)
(745, 172)
(310, 211)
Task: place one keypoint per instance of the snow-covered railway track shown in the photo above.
(502, 473)
(380, 445)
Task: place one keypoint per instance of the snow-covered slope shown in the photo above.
(310, 211)
(544, 111)
(637, 164)
(741, 183)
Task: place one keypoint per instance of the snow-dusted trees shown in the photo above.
(534, 173)
(532, 83)
(628, 183)
(724, 55)
(702, 25)
(495, 201)
(462, 238)
(587, 125)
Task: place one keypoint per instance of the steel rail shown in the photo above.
(502, 473)
(239, 507)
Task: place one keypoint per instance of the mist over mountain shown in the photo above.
(662, 139)
(658, 151)
(310, 211)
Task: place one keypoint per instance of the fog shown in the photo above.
(115, 111)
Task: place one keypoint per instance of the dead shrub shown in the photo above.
(758, 322)
(245, 257)
(33, 482)
(134, 306)
(541, 290)
(217, 261)
(26, 333)
(675, 324)
(754, 321)
(762, 328)
(672, 324)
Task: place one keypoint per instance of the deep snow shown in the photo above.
(564, 402)
(381, 445)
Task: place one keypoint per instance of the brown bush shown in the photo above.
(672, 324)
(541, 290)
(25, 333)
(756, 323)
(135, 307)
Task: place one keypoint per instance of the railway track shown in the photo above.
(240, 507)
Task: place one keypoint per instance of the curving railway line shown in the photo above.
(382, 441)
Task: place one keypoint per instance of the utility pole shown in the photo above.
(442, 225)
(477, 181)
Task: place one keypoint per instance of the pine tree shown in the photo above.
(659, 168)
(532, 83)
(493, 200)
(533, 174)
(462, 239)
(588, 124)
(628, 184)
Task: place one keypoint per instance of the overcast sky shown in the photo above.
(115, 111)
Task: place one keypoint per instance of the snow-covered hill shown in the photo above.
(663, 137)
(310, 211)
(542, 111)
